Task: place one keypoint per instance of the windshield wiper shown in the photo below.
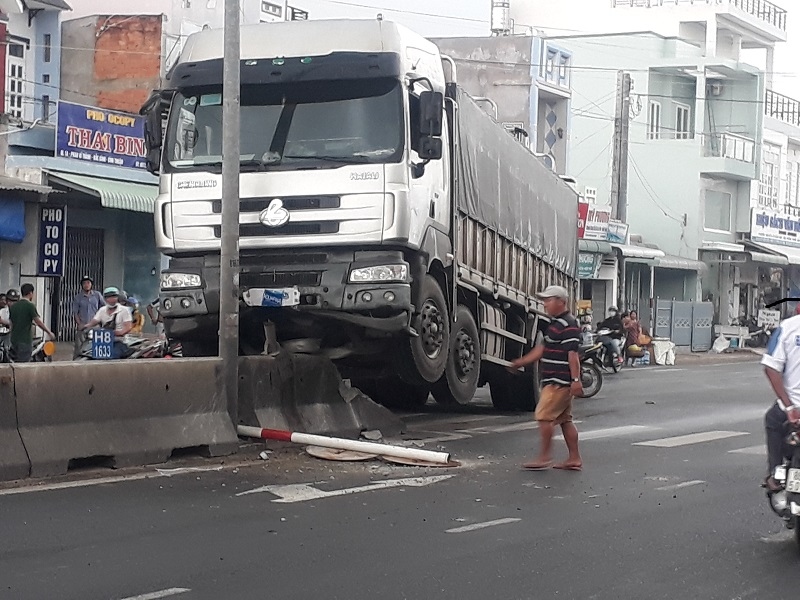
(352, 159)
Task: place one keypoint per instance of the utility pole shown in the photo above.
(619, 167)
(619, 173)
(229, 242)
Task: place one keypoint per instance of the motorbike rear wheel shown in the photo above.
(591, 379)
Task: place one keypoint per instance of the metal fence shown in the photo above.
(687, 324)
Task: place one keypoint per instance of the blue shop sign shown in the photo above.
(100, 136)
(52, 228)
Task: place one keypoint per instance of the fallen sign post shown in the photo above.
(343, 444)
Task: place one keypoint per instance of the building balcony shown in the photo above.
(782, 107)
(729, 155)
(765, 18)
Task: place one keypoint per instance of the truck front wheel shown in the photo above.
(461, 374)
(423, 358)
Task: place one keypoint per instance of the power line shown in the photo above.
(409, 12)
(591, 162)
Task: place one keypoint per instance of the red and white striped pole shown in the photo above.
(343, 444)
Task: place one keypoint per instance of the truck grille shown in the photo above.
(280, 279)
(261, 261)
(247, 205)
(259, 230)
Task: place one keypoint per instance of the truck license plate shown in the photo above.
(272, 297)
(793, 481)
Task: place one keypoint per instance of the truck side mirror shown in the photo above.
(431, 113)
(430, 148)
(154, 111)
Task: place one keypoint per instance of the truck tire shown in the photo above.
(462, 372)
(515, 393)
(393, 392)
(423, 358)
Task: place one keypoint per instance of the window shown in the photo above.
(654, 121)
(16, 50)
(47, 47)
(45, 78)
(717, 215)
(45, 108)
(550, 64)
(15, 83)
(563, 70)
(683, 128)
(770, 177)
(793, 183)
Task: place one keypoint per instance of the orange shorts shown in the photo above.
(555, 404)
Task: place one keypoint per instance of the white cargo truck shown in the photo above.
(386, 219)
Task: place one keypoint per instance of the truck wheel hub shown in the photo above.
(465, 351)
(432, 329)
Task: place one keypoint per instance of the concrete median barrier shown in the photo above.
(128, 412)
(14, 462)
(304, 393)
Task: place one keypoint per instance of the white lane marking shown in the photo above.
(301, 492)
(159, 594)
(778, 538)
(680, 486)
(760, 450)
(476, 526)
(440, 436)
(66, 485)
(692, 438)
(597, 434)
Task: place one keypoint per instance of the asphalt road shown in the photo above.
(654, 514)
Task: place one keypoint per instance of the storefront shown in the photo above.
(100, 204)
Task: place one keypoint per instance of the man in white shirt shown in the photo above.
(782, 367)
(113, 316)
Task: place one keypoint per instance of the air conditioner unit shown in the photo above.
(715, 88)
(590, 193)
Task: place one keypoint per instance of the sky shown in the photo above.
(471, 17)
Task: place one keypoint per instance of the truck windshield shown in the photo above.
(315, 124)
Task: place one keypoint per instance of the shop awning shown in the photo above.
(678, 262)
(722, 247)
(121, 195)
(640, 252)
(761, 254)
(791, 254)
(595, 247)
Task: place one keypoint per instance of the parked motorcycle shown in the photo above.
(591, 369)
(786, 501)
(138, 347)
(43, 350)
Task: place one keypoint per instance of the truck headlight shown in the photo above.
(180, 281)
(379, 273)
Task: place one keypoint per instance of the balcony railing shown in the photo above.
(730, 145)
(782, 107)
(763, 9)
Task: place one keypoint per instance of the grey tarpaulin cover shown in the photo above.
(503, 185)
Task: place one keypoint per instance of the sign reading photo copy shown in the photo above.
(100, 136)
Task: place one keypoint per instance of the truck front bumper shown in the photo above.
(321, 278)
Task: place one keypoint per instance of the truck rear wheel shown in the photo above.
(423, 358)
(515, 392)
(461, 374)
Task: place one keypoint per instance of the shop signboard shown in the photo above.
(597, 220)
(769, 318)
(617, 232)
(772, 227)
(583, 212)
(100, 136)
(588, 265)
(52, 228)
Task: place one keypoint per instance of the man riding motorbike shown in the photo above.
(611, 341)
(116, 317)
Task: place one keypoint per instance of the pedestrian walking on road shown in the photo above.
(23, 315)
(84, 307)
(561, 379)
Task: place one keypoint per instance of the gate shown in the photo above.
(702, 327)
(687, 324)
(84, 256)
